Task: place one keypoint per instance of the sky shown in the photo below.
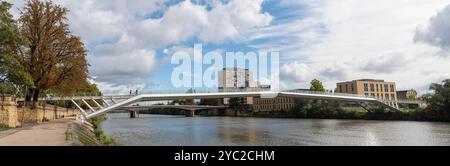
(130, 42)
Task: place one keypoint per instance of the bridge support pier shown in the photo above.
(134, 114)
(190, 113)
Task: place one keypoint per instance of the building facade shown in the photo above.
(407, 94)
(369, 87)
(237, 79)
(273, 104)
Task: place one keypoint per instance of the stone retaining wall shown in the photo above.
(13, 115)
(41, 112)
(8, 111)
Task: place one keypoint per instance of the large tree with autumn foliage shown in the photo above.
(55, 58)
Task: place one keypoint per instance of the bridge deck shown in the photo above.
(129, 99)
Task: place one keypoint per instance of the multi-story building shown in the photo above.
(369, 87)
(231, 79)
(236, 78)
(407, 94)
(273, 104)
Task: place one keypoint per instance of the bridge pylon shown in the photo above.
(190, 113)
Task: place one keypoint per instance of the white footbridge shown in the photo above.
(116, 102)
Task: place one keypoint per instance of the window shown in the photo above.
(372, 87)
(373, 94)
(386, 88)
(377, 88)
(353, 87)
(366, 88)
(366, 94)
(392, 97)
(386, 97)
(392, 88)
(340, 88)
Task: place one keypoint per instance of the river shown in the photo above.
(168, 130)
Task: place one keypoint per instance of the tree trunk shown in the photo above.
(36, 95)
(29, 94)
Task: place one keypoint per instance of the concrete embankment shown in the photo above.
(81, 134)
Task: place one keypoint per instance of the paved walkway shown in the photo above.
(46, 134)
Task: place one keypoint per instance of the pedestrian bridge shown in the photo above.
(120, 101)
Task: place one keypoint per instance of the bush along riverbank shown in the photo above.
(89, 134)
(438, 108)
(326, 110)
(100, 135)
(3, 127)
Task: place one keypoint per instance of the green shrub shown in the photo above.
(4, 127)
(101, 136)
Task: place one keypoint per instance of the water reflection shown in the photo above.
(204, 131)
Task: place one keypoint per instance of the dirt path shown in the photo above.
(45, 134)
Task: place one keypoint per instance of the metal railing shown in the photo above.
(198, 91)
(328, 93)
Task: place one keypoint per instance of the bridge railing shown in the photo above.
(328, 93)
(184, 91)
(77, 97)
(194, 91)
(410, 101)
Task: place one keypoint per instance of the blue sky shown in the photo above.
(130, 42)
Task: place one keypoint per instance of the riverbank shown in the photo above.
(61, 132)
(100, 136)
(45, 134)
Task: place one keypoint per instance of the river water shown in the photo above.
(168, 130)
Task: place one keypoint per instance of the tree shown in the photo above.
(439, 102)
(235, 103)
(13, 77)
(55, 58)
(189, 101)
(89, 89)
(316, 85)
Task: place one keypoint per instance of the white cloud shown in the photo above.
(437, 32)
(186, 20)
(179, 23)
(360, 35)
(388, 63)
(295, 75)
(296, 71)
(124, 34)
(129, 68)
(333, 40)
(231, 20)
(92, 24)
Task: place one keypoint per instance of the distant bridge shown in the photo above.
(180, 107)
(189, 109)
(127, 100)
